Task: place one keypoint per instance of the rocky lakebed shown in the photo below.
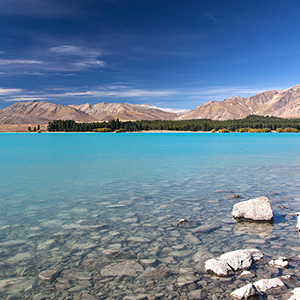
(128, 255)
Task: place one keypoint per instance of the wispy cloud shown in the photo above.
(211, 17)
(221, 92)
(24, 98)
(63, 59)
(124, 92)
(76, 51)
(87, 63)
(5, 92)
(20, 61)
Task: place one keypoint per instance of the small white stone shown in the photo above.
(246, 273)
(298, 220)
(281, 262)
(244, 292)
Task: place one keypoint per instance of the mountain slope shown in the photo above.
(124, 111)
(43, 112)
(284, 104)
(40, 112)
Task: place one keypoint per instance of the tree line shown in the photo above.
(251, 123)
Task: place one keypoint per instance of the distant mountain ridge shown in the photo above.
(284, 104)
(43, 112)
(124, 111)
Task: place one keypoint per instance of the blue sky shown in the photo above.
(171, 54)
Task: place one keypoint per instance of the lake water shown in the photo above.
(57, 189)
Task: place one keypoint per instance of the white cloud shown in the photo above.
(125, 93)
(76, 51)
(210, 16)
(4, 92)
(20, 61)
(88, 63)
(221, 93)
(24, 98)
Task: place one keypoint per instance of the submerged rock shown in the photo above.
(189, 238)
(49, 275)
(205, 228)
(16, 286)
(258, 209)
(127, 268)
(234, 260)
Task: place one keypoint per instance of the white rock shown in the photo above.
(296, 294)
(218, 267)
(246, 274)
(234, 260)
(264, 285)
(260, 286)
(298, 220)
(244, 292)
(281, 262)
(258, 209)
(241, 259)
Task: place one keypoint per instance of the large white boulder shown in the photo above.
(234, 260)
(257, 209)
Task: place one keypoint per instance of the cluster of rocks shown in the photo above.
(141, 259)
(258, 209)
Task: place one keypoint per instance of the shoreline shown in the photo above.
(21, 128)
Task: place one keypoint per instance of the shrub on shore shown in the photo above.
(223, 130)
(289, 129)
(104, 129)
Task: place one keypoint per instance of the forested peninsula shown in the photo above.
(249, 124)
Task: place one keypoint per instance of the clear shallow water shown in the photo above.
(54, 186)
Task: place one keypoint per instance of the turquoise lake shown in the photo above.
(55, 190)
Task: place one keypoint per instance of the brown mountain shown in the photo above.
(124, 111)
(40, 112)
(43, 112)
(284, 104)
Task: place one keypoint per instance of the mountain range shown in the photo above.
(284, 104)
